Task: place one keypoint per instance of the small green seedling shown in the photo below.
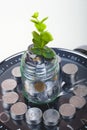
(41, 38)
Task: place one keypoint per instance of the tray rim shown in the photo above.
(61, 49)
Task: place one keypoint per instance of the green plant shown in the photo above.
(41, 37)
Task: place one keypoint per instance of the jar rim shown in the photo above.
(43, 70)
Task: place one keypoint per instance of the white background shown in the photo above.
(67, 22)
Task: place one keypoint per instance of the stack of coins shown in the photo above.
(77, 101)
(18, 110)
(51, 117)
(67, 111)
(16, 74)
(33, 116)
(8, 85)
(69, 73)
(80, 90)
(9, 99)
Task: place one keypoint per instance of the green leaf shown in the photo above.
(48, 53)
(37, 51)
(34, 21)
(35, 15)
(40, 26)
(41, 37)
(36, 36)
(36, 43)
(44, 19)
(36, 39)
(45, 52)
(46, 37)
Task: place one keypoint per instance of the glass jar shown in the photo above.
(40, 77)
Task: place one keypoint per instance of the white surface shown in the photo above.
(67, 22)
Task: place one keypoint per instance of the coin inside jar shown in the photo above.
(9, 99)
(80, 90)
(18, 110)
(67, 111)
(51, 117)
(77, 101)
(29, 87)
(8, 85)
(39, 86)
(37, 59)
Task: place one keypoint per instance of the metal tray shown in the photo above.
(67, 56)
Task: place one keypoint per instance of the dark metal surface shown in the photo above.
(82, 49)
(67, 57)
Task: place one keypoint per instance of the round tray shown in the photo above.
(67, 56)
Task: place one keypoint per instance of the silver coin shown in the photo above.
(69, 73)
(51, 117)
(33, 116)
